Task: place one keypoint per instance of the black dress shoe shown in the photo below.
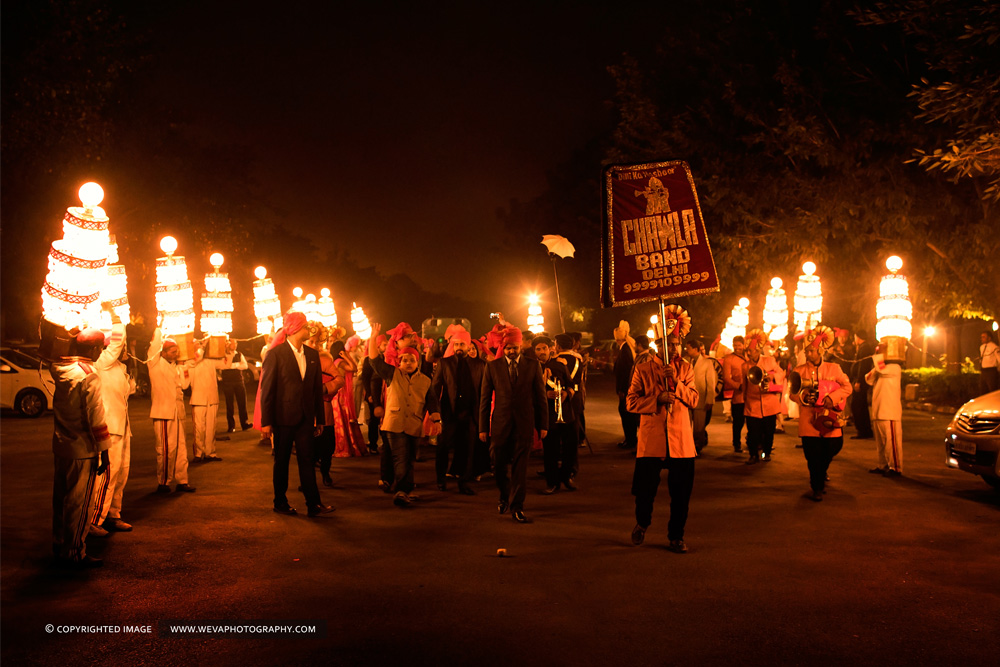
(502, 506)
(550, 490)
(163, 488)
(465, 490)
(316, 510)
(638, 535)
(288, 511)
(327, 481)
(570, 485)
(185, 488)
(246, 426)
(518, 516)
(232, 429)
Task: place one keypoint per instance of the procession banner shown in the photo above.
(655, 244)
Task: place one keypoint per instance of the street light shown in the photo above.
(536, 322)
(929, 331)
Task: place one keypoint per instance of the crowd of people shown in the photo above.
(486, 403)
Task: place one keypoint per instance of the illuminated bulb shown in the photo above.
(744, 302)
(260, 272)
(654, 320)
(651, 335)
(325, 292)
(532, 299)
(776, 282)
(894, 263)
(929, 331)
(168, 244)
(216, 260)
(995, 325)
(808, 268)
(297, 292)
(91, 194)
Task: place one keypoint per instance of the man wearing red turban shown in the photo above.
(520, 409)
(291, 405)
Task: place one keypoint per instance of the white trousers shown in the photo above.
(204, 429)
(171, 451)
(889, 443)
(72, 490)
(111, 485)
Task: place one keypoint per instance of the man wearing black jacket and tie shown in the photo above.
(520, 409)
(456, 383)
(291, 403)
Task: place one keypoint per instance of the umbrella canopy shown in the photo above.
(558, 245)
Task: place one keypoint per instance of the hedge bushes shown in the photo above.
(939, 388)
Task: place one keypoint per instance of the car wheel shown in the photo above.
(31, 403)
(992, 481)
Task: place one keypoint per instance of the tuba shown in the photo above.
(756, 375)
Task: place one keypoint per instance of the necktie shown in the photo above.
(512, 366)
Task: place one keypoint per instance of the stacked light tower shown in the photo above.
(266, 306)
(299, 304)
(776, 313)
(71, 295)
(536, 322)
(114, 289)
(808, 299)
(217, 308)
(893, 312)
(736, 323)
(175, 298)
(326, 310)
(359, 322)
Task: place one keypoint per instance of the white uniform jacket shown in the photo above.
(116, 385)
(204, 386)
(80, 428)
(887, 401)
(168, 382)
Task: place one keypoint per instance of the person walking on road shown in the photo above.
(663, 396)
(887, 416)
(624, 362)
(705, 379)
(168, 381)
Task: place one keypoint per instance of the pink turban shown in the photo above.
(352, 343)
(391, 351)
(459, 334)
(294, 321)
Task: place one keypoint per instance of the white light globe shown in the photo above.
(216, 259)
(744, 302)
(808, 268)
(929, 331)
(325, 292)
(260, 272)
(654, 319)
(776, 282)
(297, 292)
(894, 263)
(91, 194)
(168, 244)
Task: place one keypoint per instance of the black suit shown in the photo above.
(456, 384)
(623, 379)
(293, 407)
(520, 409)
(859, 397)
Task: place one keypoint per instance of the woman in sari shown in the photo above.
(350, 441)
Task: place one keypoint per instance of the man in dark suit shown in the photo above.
(519, 410)
(859, 398)
(291, 403)
(456, 384)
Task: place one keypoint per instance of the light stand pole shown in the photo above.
(562, 324)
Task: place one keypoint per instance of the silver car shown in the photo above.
(972, 440)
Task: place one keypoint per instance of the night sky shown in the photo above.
(404, 126)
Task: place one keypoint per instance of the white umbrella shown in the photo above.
(558, 246)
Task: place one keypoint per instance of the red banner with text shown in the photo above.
(655, 244)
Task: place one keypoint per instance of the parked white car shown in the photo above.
(972, 441)
(25, 383)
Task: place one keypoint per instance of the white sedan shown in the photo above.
(25, 383)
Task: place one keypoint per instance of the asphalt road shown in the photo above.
(883, 571)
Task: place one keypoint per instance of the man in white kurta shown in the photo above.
(705, 378)
(168, 382)
(887, 416)
(205, 402)
(116, 387)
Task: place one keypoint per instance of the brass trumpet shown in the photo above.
(757, 376)
(806, 388)
(556, 385)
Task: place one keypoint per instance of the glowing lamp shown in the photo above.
(776, 312)
(995, 325)
(114, 289)
(536, 322)
(216, 304)
(736, 323)
(297, 292)
(266, 306)
(91, 194)
(359, 322)
(168, 244)
(808, 299)
(216, 260)
(893, 312)
(930, 330)
(325, 308)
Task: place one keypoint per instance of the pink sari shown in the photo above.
(350, 441)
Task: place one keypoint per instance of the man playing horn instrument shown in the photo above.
(763, 383)
(819, 387)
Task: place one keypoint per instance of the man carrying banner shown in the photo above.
(663, 396)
